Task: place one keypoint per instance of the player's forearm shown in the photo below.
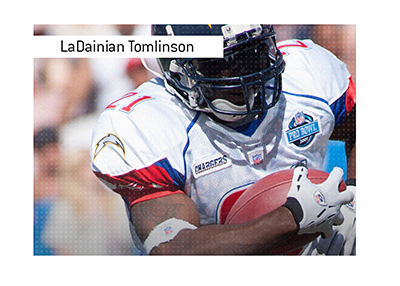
(257, 237)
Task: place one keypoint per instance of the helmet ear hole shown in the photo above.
(175, 76)
(207, 92)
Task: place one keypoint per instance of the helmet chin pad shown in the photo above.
(230, 109)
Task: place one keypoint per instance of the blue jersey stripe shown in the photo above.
(308, 96)
(176, 177)
(187, 146)
(339, 109)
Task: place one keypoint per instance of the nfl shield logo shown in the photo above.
(319, 198)
(299, 118)
(351, 206)
(257, 159)
(168, 230)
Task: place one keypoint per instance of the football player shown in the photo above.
(181, 148)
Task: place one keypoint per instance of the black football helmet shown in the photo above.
(235, 89)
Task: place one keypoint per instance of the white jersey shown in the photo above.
(148, 144)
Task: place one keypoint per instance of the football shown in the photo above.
(268, 194)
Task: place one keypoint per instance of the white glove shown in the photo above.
(343, 242)
(316, 207)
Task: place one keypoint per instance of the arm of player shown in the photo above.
(256, 237)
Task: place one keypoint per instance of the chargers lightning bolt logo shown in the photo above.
(108, 139)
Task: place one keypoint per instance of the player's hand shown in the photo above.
(343, 242)
(316, 207)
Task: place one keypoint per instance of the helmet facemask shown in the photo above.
(235, 89)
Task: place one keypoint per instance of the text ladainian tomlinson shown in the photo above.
(128, 46)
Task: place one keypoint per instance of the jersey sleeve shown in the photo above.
(344, 104)
(335, 81)
(134, 155)
(323, 75)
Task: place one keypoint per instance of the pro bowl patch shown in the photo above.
(302, 129)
